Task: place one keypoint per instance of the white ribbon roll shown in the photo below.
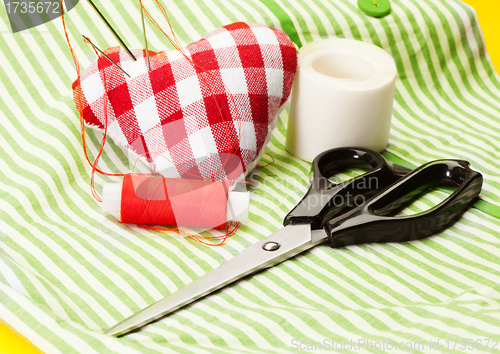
(342, 96)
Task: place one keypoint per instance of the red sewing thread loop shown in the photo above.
(82, 121)
(270, 163)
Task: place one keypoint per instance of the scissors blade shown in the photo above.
(282, 245)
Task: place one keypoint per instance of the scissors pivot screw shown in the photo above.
(271, 246)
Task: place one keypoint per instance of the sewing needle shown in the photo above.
(111, 29)
(100, 51)
(145, 38)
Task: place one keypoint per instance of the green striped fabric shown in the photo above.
(68, 272)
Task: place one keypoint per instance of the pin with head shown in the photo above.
(112, 30)
(87, 39)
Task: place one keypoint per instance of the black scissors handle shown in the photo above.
(361, 211)
(326, 199)
(374, 221)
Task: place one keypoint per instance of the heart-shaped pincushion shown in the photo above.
(183, 119)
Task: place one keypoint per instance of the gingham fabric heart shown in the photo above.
(172, 114)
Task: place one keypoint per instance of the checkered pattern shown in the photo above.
(173, 113)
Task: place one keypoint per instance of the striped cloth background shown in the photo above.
(68, 272)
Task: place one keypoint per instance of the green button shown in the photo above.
(375, 8)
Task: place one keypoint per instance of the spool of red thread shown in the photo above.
(155, 200)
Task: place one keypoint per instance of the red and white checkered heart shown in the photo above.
(183, 118)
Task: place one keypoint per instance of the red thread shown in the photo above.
(154, 200)
(82, 121)
(270, 163)
(230, 231)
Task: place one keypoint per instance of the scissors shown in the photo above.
(361, 210)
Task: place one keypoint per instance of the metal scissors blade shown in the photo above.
(282, 245)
